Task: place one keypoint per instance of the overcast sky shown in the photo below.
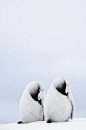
(41, 40)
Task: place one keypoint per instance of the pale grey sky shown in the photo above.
(40, 41)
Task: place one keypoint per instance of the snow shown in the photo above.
(75, 124)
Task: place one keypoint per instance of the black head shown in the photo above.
(35, 93)
(62, 88)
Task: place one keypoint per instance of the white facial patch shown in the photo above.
(66, 90)
(39, 96)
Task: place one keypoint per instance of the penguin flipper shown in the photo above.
(72, 104)
(70, 97)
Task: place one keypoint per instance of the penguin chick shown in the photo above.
(59, 103)
(32, 103)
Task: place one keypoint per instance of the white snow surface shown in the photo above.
(75, 124)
